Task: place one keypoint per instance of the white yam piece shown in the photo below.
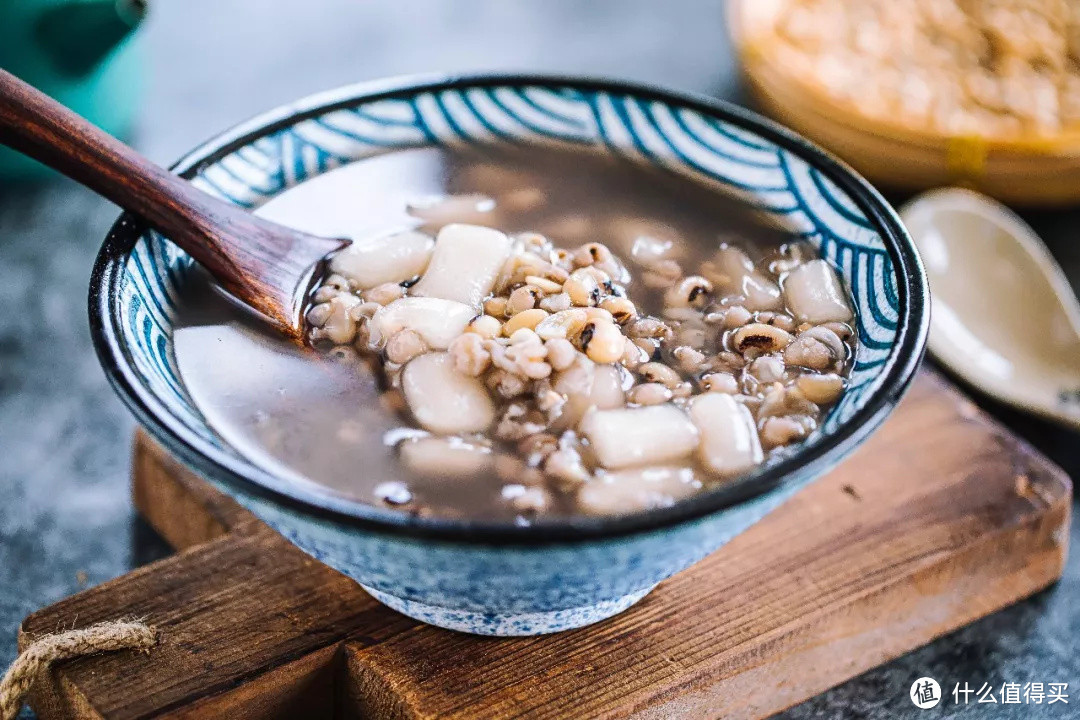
(439, 210)
(729, 439)
(815, 294)
(443, 400)
(625, 491)
(435, 320)
(587, 386)
(760, 293)
(433, 456)
(645, 241)
(370, 262)
(732, 271)
(607, 387)
(466, 261)
(637, 436)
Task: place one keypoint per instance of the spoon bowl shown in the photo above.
(1005, 318)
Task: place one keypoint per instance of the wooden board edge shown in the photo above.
(956, 590)
(179, 505)
(305, 687)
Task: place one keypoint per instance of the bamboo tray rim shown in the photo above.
(754, 48)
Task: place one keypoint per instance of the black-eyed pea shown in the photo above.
(602, 341)
(732, 360)
(495, 307)
(721, 382)
(404, 345)
(777, 431)
(821, 389)
(523, 298)
(338, 282)
(661, 274)
(365, 310)
(469, 354)
(649, 327)
(582, 288)
(384, 294)
(526, 319)
(563, 324)
(649, 394)
(533, 242)
(767, 368)
(659, 373)
(817, 348)
(556, 303)
(597, 313)
(326, 293)
(602, 277)
(736, 316)
(648, 346)
(549, 401)
(842, 330)
(318, 314)
(562, 258)
(784, 322)
(548, 287)
(561, 353)
(634, 356)
(689, 359)
(621, 309)
(485, 326)
(525, 335)
(682, 391)
(590, 254)
(505, 384)
(761, 338)
(339, 327)
(690, 292)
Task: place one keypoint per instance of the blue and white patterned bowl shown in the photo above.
(484, 577)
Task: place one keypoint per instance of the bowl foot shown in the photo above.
(510, 625)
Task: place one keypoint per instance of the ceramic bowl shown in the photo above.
(499, 578)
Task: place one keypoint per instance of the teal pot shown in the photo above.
(80, 52)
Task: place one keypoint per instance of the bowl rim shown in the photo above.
(204, 458)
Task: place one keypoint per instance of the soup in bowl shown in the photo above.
(585, 334)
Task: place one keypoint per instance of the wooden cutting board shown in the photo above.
(941, 518)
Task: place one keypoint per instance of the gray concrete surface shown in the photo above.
(65, 516)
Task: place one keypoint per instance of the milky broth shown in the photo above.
(323, 419)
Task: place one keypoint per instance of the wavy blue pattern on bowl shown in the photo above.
(781, 185)
(455, 580)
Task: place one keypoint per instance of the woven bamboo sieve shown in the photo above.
(1033, 171)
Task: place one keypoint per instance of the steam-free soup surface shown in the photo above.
(323, 418)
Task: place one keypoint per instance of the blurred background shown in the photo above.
(189, 69)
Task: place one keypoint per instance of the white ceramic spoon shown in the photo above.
(1003, 317)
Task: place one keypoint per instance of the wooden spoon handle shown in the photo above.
(42, 128)
(257, 261)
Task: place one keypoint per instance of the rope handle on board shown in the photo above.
(43, 652)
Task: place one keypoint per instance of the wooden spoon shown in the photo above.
(1004, 317)
(266, 266)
